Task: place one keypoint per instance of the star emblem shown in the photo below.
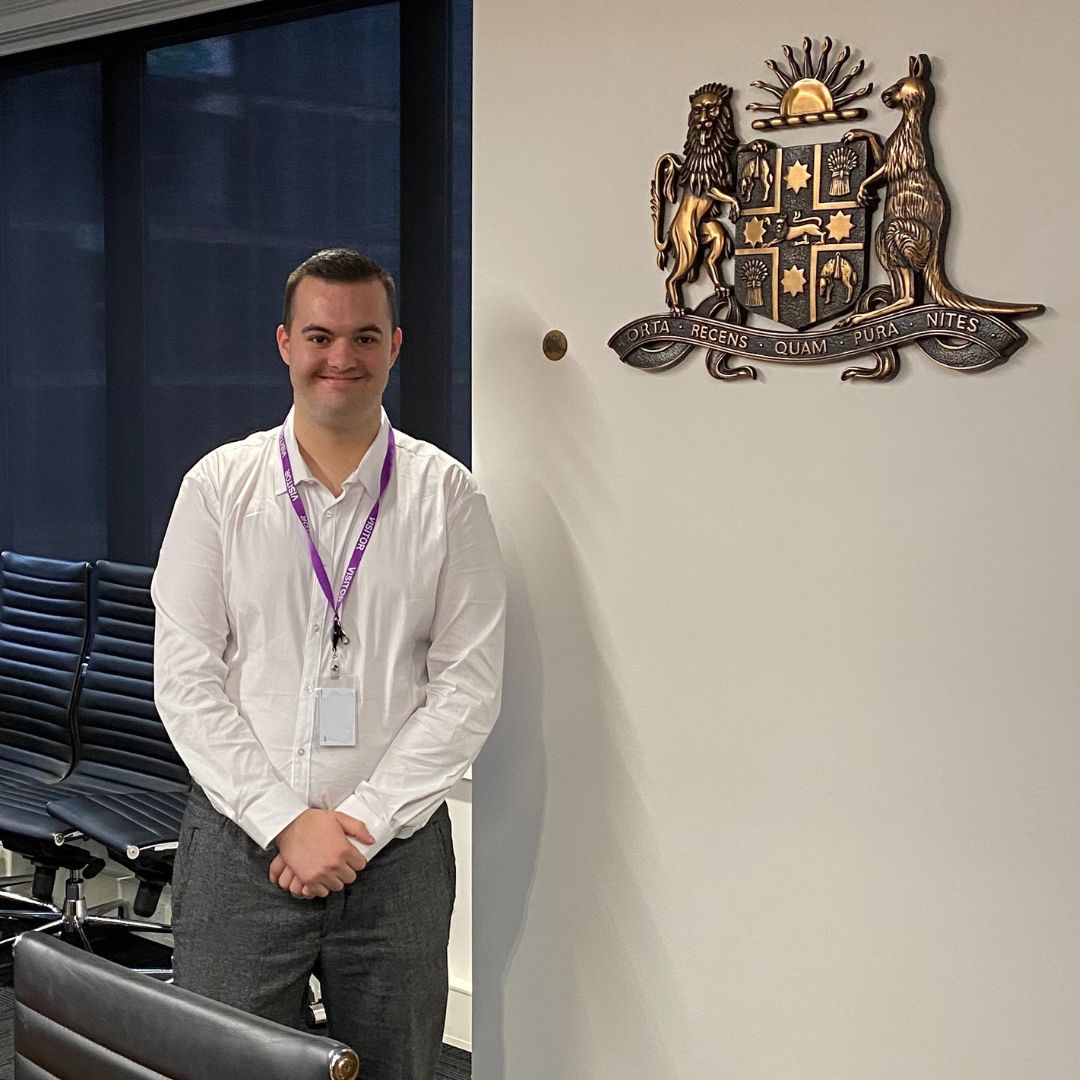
(793, 281)
(839, 227)
(797, 176)
(755, 231)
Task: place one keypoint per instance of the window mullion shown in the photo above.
(426, 218)
(6, 449)
(125, 369)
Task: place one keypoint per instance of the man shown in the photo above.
(328, 661)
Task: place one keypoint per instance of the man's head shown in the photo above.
(339, 337)
(342, 266)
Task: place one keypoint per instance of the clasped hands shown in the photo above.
(315, 857)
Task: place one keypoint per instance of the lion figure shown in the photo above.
(706, 178)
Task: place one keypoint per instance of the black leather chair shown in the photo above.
(124, 765)
(44, 629)
(139, 829)
(129, 787)
(78, 1016)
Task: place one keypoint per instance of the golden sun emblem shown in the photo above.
(810, 91)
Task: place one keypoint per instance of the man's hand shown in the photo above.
(315, 857)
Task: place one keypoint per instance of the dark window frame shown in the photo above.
(426, 127)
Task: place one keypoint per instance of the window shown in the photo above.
(156, 189)
(52, 356)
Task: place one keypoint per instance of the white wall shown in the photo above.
(459, 1007)
(784, 784)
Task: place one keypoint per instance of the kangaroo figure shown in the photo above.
(910, 241)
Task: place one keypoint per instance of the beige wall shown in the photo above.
(785, 783)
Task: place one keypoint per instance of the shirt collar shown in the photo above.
(368, 473)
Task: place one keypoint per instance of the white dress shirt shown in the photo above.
(243, 634)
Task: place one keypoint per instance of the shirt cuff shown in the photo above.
(263, 819)
(364, 809)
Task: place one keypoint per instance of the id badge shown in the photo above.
(335, 712)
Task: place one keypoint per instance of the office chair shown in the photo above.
(79, 1016)
(129, 787)
(44, 629)
(124, 764)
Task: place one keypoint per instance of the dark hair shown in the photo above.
(344, 266)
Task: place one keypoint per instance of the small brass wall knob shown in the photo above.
(554, 344)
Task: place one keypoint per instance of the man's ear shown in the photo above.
(283, 343)
(395, 345)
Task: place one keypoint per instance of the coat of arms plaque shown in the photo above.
(798, 235)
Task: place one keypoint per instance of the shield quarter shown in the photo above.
(801, 242)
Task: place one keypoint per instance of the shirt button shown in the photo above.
(316, 628)
(307, 689)
(327, 513)
(301, 751)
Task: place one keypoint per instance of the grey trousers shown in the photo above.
(378, 947)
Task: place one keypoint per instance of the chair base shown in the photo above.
(117, 938)
(14, 902)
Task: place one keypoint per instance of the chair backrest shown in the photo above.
(122, 742)
(43, 634)
(78, 1015)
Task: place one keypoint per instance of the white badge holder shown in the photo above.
(335, 711)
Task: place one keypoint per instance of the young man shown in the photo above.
(328, 661)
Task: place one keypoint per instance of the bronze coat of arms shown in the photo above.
(795, 225)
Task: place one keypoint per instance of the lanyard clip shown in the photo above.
(338, 636)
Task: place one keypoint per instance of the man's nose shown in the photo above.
(342, 356)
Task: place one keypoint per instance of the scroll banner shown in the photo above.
(957, 339)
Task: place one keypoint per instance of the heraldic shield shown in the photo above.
(801, 242)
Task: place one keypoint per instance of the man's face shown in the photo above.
(340, 347)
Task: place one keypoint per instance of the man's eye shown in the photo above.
(318, 339)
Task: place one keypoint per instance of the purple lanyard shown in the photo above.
(337, 635)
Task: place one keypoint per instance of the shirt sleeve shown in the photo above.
(439, 741)
(216, 743)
